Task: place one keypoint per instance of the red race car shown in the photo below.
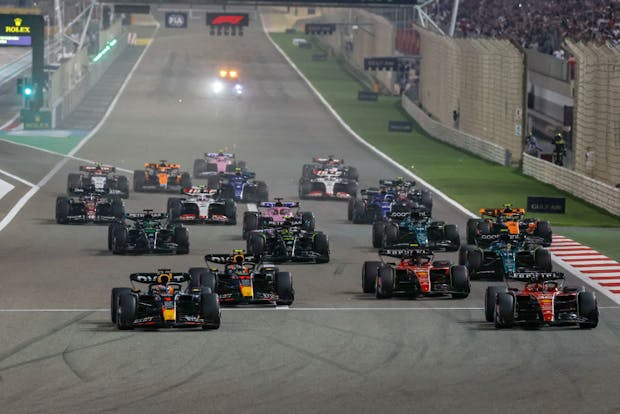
(543, 300)
(415, 274)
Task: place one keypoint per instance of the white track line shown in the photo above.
(374, 149)
(26, 197)
(16, 178)
(9, 122)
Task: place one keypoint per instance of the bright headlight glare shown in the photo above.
(217, 86)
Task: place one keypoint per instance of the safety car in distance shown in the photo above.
(227, 83)
(277, 213)
(328, 177)
(214, 163)
(161, 176)
(201, 206)
(414, 275)
(170, 300)
(245, 279)
(148, 232)
(94, 206)
(541, 300)
(100, 176)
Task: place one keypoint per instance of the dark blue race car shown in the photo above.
(241, 186)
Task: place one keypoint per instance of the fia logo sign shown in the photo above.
(176, 20)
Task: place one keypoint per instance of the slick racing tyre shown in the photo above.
(308, 222)
(119, 239)
(542, 260)
(451, 234)
(116, 293)
(127, 304)
(504, 310)
(320, 244)
(378, 228)
(460, 282)
(118, 209)
(201, 277)
(63, 209)
(73, 181)
(588, 309)
(230, 211)
(181, 238)
(256, 243)
(139, 179)
(250, 223)
(210, 310)
(186, 181)
(284, 289)
(200, 165)
(123, 186)
(370, 271)
(490, 300)
(385, 285)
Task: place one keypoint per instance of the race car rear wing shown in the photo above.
(397, 182)
(534, 276)
(245, 174)
(499, 212)
(102, 168)
(323, 160)
(226, 258)
(157, 277)
(405, 251)
(289, 204)
(146, 215)
(218, 154)
(200, 190)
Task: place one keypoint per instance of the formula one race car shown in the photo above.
(148, 233)
(99, 176)
(406, 189)
(328, 178)
(245, 280)
(284, 244)
(505, 256)
(418, 228)
(161, 177)
(94, 206)
(416, 274)
(495, 221)
(376, 203)
(204, 205)
(542, 300)
(214, 163)
(166, 303)
(277, 213)
(240, 186)
(227, 84)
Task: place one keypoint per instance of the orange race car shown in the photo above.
(510, 220)
(161, 176)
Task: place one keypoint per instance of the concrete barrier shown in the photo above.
(456, 138)
(593, 191)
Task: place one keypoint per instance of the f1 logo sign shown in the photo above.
(176, 20)
(229, 19)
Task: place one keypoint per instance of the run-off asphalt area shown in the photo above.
(268, 360)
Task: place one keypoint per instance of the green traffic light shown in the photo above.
(27, 91)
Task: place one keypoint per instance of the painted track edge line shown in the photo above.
(16, 178)
(9, 122)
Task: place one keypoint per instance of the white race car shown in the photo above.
(203, 205)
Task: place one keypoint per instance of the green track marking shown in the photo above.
(57, 141)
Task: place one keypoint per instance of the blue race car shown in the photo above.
(241, 186)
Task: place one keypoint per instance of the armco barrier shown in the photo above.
(469, 143)
(582, 186)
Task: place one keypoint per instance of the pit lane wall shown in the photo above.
(580, 185)
(481, 79)
(76, 76)
(596, 113)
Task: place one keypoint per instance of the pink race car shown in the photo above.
(277, 213)
(215, 163)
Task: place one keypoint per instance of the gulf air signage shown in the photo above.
(228, 19)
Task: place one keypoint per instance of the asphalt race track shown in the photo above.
(335, 350)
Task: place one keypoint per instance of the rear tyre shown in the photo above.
(123, 186)
(262, 192)
(250, 223)
(471, 257)
(139, 179)
(210, 310)
(230, 211)
(451, 234)
(118, 210)
(588, 308)
(370, 271)
(320, 245)
(304, 188)
(390, 235)
(308, 221)
(427, 199)
(116, 293)
(63, 209)
(358, 212)
(73, 181)
(460, 282)
(119, 238)
(284, 288)
(127, 304)
(200, 165)
(181, 238)
(472, 230)
(350, 209)
(174, 208)
(504, 310)
(543, 229)
(352, 174)
(202, 277)
(490, 300)
(385, 287)
(256, 243)
(213, 181)
(186, 181)
(542, 260)
(378, 228)
(306, 171)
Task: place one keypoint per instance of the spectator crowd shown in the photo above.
(534, 24)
